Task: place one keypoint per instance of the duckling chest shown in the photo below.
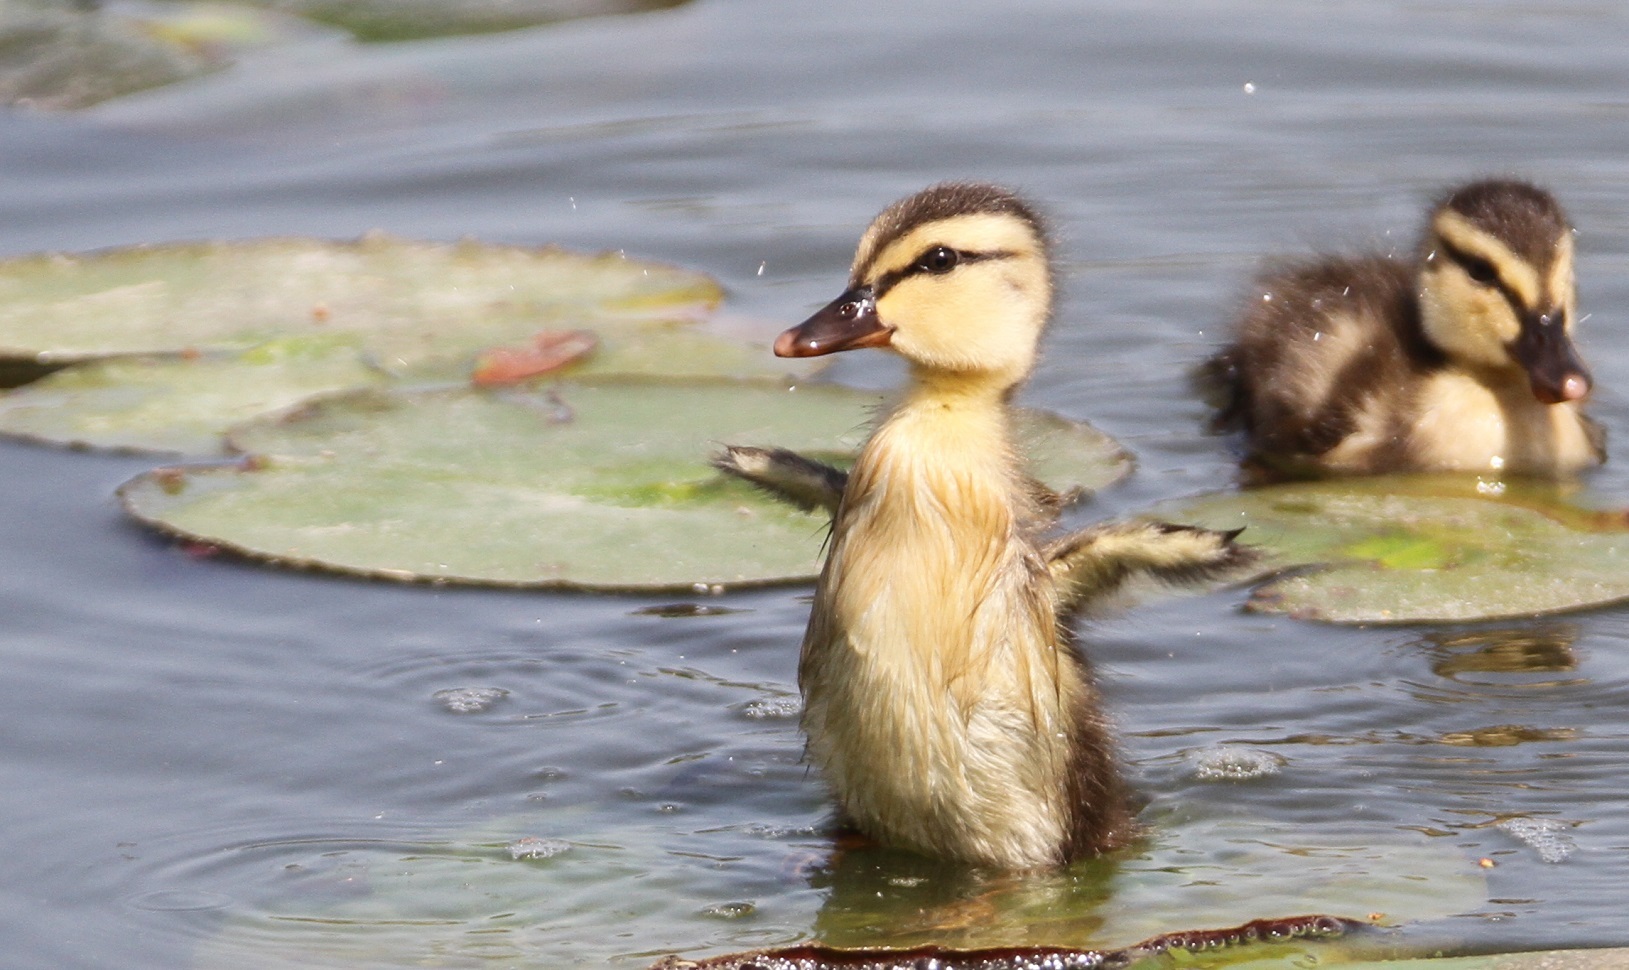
(929, 576)
(932, 674)
(1463, 424)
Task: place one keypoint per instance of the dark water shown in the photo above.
(211, 765)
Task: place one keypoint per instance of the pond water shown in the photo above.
(207, 764)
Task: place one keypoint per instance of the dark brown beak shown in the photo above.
(846, 323)
(1554, 369)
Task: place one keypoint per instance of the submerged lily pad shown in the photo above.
(1423, 549)
(591, 483)
(477, 896)
(182, 403)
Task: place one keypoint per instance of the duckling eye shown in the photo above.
(1480, 270)
(938, 260)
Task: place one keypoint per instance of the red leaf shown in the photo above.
(550, 351)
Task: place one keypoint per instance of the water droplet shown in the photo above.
(1229, 763)
(470, 700)
(735, 910)
(772, 708)
(532, 847)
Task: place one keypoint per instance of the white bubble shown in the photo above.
(729, 910)
(1545, 835)
(532, 847)
(1229, 763)
(470, 700)
(772, 708)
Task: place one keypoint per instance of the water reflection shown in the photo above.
(1520, 653)
(884, 897)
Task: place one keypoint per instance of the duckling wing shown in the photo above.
(785, 475)
(1093, 563)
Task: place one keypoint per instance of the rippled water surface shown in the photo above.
(211, 765)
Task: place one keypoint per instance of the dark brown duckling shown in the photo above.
(1459, 359)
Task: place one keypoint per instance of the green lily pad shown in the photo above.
(179, 404)
(585, 483)
(207, 316)
(395, 20)
(423, 309)
(61, 55)
(1430, 549)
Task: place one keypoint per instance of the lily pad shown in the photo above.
(206, 316)
(58, 55)
(394, 20)
(1430, 549)
(423, 309)
(584, 483)
(592, 893)
(181, 403)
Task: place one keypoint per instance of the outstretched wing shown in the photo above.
(785, 475)
(1097, 561)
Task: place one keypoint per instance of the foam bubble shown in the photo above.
(1230, 763)
(1546, 835)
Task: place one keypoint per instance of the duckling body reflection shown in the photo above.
(943, 700)
(1459, 360)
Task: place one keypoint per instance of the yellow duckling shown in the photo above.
(943, 698)
(1460, 359)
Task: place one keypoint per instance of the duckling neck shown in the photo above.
(962, 390)
(947, 439)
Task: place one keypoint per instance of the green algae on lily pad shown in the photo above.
(592, 483)
(421, 309)
(180, 403)
(1430, 549)
(397, 20)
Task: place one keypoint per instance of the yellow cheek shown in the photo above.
(1492, 319)
(1473, 324)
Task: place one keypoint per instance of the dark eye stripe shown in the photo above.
(1483, 271)
(888, 280)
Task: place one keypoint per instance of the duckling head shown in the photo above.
(1496, 286)
(954, 278)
